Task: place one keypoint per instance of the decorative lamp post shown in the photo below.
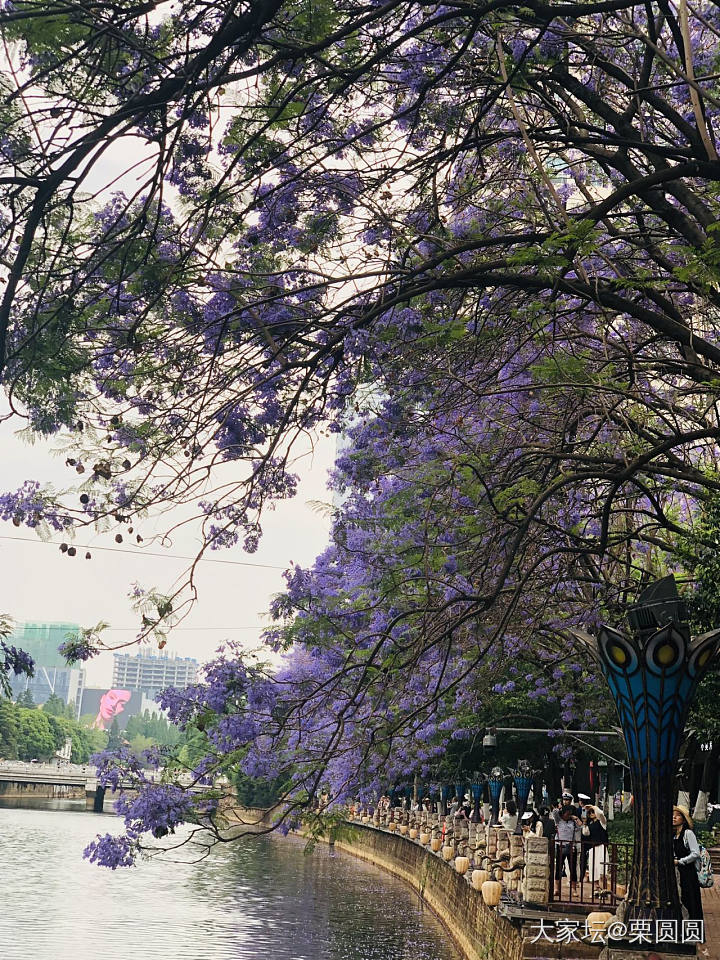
(460, 792)
(496, 781)
(476, 791)
(523, 779)
(653, 675)
(445, 794)
(433, 794)
(408, 797)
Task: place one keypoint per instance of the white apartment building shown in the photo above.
(152, 670)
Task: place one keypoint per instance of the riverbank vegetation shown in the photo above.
(32, 733)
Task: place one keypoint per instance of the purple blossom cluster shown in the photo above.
(78, 648)
(32, 506)
(15, 661)
(429, 257)
(112, 851)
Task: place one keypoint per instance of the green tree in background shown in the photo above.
(8, 730)
(193, 750)
(25, 699)
(703, 563)
(35, 738)
(58, 732)
(153, 727)
(114, 735)
(55, 706)
(253, 792)
(139, 743)
(86, 741)
(28, 733)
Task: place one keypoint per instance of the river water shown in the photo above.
(260, 898)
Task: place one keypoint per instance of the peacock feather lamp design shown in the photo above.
(495, 781)
(653, 675)
(476, 792)
(523, 779)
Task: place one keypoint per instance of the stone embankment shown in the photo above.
(455, 874)
(479, 931)
(235, 820)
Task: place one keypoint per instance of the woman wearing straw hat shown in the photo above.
(687, 852)
(595, 839)
(530, 823)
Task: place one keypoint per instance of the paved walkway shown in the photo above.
(711, 909)
(582, 898)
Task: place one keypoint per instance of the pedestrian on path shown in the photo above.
(567, 845)
(509, 819)
(595, 837)
(687, 853)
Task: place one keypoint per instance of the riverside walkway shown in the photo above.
(477, 851)
(711, 908)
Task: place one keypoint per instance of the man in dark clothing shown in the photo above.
(548, 824)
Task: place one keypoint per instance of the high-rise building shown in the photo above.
(65, 682)
(41, 641)
(153, 670)
(52, 673)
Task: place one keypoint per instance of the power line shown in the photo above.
(150, 553)
(41, 626)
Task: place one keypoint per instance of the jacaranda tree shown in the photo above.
(486, 232)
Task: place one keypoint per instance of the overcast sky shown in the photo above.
(39, 583)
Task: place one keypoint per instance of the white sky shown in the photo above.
(39, 583)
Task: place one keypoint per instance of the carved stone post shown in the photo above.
(535, 885)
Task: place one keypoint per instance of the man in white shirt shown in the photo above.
(567, 844)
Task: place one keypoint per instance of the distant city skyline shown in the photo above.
(40, 583)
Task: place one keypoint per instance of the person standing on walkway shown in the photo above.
(566, 800)
(549, 827)
(567, 843)
(595, 837)
(509, 819)
(582, 800)
(687, 853)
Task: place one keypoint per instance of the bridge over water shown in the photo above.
(69, 781)
(64, 781)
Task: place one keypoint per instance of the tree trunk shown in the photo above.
(707, 782)
(554, 786)
(609, 796)
(700, 810)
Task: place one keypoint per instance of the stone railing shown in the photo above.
(477, 851)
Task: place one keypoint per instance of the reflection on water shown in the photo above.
(258, 899)
(42, 803)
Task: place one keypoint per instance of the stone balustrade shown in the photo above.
(521, 863)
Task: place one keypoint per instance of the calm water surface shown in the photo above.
(261, 899)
